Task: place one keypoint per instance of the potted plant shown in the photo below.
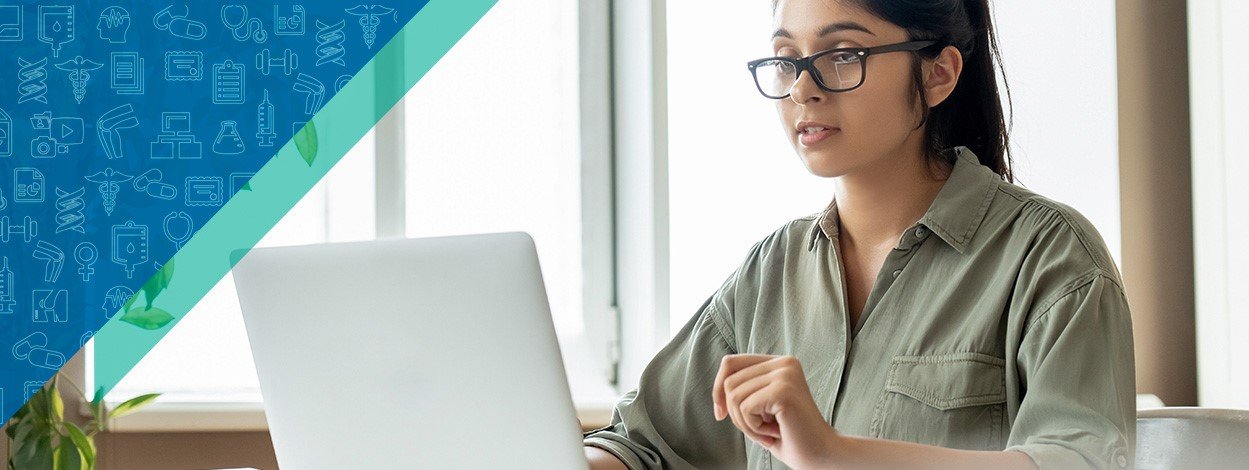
(40, 437)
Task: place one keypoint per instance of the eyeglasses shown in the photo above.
(834, 70)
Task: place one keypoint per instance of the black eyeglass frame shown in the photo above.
(807, 63)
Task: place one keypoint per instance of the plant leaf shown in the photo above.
(306, 142)
(131, 405)
(85, 446)
(56, 405)
(147, 318)
(67, 456)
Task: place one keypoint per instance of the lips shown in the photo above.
(812, 132)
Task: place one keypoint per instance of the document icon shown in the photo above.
(127, 75)
(228, 83)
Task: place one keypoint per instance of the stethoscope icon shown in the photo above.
(236, 19)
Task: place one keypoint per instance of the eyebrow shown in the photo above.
(828, 29)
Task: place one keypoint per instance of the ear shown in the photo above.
(941, 75)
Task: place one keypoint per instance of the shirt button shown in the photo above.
(1122, 461)
(896, 272)
(919, 232)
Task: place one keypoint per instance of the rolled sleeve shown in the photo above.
(1076, 363)
(667, 421)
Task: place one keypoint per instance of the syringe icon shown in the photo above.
(6, 289)
(264, 122)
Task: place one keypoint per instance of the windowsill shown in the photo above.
(201, 416)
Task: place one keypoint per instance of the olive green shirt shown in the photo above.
(999, 321)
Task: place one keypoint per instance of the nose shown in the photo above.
(805, 89)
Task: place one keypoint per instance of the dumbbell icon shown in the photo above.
(287, 62)
(27, 230)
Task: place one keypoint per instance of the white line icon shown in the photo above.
(49, 305)
(181, 66)
(56, 26)
(242, 25)
(175, 139)
(264, 122)
(289, 25)
(127, 74)
(113, 25)
(58, 134)
(370, 18)
(32, 80)
(178, 24)
(109, 127)
(79, 69)
(69, 210)
(229, 82)
(11, 28)
(130, 244)
(330, 38)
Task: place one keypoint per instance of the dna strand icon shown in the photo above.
(370, 18)
(109, 186)
(69, 206)
(330, 43)
(32, 77)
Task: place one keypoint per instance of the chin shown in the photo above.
(824, 164)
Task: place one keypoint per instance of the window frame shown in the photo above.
(600, 134)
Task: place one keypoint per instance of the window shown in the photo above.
(735, 181)
(491, 143)
(206, 357)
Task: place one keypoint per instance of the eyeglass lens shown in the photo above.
(838, 71)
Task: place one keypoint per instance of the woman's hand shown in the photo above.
(769, 401)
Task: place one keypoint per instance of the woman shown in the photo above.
(934, 315)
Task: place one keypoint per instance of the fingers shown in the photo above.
(760, 411)
(749, 420)
(729, 365)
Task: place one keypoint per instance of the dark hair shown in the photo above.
(972, 115)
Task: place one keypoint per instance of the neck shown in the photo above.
(875, 205)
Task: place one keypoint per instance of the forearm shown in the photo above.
(853, 452)
(602, 460)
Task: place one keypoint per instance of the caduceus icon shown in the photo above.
(79, 69)
(370, 17)
(109, 185)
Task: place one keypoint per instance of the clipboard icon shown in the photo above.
(228, 82)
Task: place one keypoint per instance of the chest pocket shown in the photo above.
(953, 400)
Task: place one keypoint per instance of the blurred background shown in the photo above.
(628, 139)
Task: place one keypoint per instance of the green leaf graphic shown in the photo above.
(306, 142)
(148, 318)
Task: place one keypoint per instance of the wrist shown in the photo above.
(836, 447)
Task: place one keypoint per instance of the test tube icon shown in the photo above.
(264, 122)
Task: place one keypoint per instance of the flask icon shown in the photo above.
(228, 141)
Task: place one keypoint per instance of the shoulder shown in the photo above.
(1058, 250)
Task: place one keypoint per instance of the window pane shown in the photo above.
(493, 145)
(733, 176)
(206, 356)
(493, 141)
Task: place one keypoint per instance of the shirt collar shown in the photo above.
(955, 213)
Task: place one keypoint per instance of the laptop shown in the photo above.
(408, 353)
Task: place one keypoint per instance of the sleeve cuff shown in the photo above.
(1054, 456)
(621, 452)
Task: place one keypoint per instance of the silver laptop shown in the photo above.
(408, 353)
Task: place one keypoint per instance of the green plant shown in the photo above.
(40, 438)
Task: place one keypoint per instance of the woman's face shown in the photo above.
(872, 124)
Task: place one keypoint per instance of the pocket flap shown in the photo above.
(947, 381)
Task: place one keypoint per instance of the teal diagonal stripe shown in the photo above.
(285, 179)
